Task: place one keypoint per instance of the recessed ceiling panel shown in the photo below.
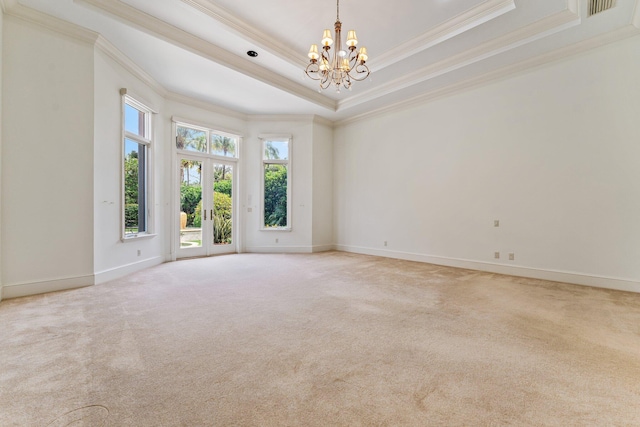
(381, 24)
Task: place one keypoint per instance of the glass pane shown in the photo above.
(134, 187)
(191, 139)
(223, 145)
(275, 195)
(191, 214)
(134, 121)
(222, 204)
(276, 150)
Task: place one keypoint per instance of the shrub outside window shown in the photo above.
(276, 182)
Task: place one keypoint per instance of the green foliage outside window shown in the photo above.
(222, 224)
(131, 192)
(275, 195)
(223, 187)
(190, 196)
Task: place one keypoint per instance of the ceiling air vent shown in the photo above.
(597, 6)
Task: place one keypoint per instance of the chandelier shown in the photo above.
(344, 67)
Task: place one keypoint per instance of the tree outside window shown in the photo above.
(276, 183)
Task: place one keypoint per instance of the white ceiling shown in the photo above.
(418, 49)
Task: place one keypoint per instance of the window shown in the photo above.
(224, 145)
(137, 145)
(276, 182)
(202, 140)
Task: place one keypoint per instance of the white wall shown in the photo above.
(322, 182)
(112, 257)
(47, 160)
(1, 85)
(553, 154)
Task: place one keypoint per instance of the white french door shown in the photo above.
(207, 213)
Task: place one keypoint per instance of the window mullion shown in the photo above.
(137, 138)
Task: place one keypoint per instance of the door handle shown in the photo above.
(205, 214)
(211, 214)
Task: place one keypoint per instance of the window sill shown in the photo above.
(276, 229)
(136, 237)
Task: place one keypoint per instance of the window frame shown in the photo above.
(209, 131)
(147, 142)
(264, 138)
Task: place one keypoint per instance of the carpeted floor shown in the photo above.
(330, 339)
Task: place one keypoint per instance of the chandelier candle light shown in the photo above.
(344, 67)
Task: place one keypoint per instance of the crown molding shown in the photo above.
(532, 32)
(635, 21)
(177, 37)
(124, 61)
(42, 20)
(502, 73)
(250, 32)
(470, 19)
(574, 6)
(310, 118)
(213, 108)
(281, 117)
(319, 120)
(66, 28)
(6, 5)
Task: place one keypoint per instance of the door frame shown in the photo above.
(174, 214)
(207, 175)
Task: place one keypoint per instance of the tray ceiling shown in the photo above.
(418, 49)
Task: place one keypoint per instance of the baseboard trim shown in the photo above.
(521, 271)
(322, 248)
(34, 288)
(280, 249)
(123, 270)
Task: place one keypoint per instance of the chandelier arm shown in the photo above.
(325, 55)
(360, 69)
(325, 82)
(313, 70)
(346, 83)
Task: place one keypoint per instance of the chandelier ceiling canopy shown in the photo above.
(343, 67)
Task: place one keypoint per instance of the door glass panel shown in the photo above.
(191, 213)
(222, 204)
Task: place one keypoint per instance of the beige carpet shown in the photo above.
(327, 339)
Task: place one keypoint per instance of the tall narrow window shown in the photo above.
(276, 182)
(137, 144)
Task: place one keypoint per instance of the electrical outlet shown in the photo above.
(385, 243)
(496, 255)
(496, 223)
(139, 252)
(512, 257)
(276, 240)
